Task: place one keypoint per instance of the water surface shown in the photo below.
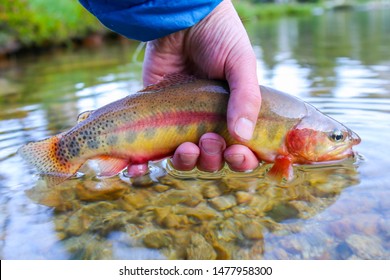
(339, 62)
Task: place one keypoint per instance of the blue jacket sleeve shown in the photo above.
(145, 20)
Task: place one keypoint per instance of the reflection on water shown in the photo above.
(339, 62)
(188, 217)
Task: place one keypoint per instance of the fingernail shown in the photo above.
(211, 146)
(235, 159)
(187, 159)
(244, 128)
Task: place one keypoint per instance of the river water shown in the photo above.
(338, 61)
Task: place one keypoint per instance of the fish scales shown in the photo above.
(151, 123)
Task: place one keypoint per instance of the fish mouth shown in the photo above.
(346, 153)
(334, 160)
(336, 153)
(354, 138)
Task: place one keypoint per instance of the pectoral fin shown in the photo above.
(110, 166)
(282, 169)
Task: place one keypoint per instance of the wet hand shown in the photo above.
(217, 47)
(211, 153)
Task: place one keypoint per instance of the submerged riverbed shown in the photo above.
(338, 61)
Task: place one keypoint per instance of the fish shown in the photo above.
(151, 123)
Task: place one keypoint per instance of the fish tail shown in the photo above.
(43, 155)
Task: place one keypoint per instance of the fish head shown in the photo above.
(319, 138)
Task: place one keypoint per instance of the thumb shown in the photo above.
(245, 98)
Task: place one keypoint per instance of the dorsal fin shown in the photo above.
(169, 81)
(84, 115)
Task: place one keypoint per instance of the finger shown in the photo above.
(162, 57)
(245, 99)
(150, 74)
(240, 158)
(137, 170)
(186, 156)
(211, 147)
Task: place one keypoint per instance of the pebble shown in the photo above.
(261, 203)
(210, 191)
(243, 197)
(199, 213)
(77, 224)
(62, 198)
(174, 221)
(223, 202)
(160, 213)
(343, 251)
(92, 191)
(137, 200)
(157, 239)
(200, 249)
(253, 230)
(228, 231)
(161, 188)
(283, 211)
(173, 197)
(366, 247)
(193, 199)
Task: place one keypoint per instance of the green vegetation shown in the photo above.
(29, 23)
(249, 10)
(36, 22)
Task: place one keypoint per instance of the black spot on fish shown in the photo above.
(93, 144)
(61, 156)
(73, 147)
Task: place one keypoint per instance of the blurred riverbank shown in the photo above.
(38, 24)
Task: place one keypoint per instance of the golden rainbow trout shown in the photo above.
(152, 123)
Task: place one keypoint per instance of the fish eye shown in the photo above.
(337, 135)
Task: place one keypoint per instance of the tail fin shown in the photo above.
(43, 156)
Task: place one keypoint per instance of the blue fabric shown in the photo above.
(147, 20)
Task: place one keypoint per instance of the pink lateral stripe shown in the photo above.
(172, 119)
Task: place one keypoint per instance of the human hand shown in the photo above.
(217, 47)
